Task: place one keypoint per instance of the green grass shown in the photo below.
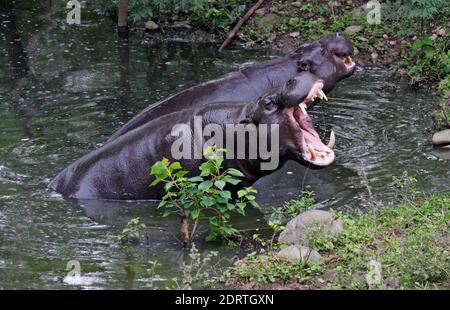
(409, 241)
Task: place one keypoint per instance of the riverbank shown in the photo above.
(405, 246)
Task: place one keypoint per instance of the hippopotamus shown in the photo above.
(329, 59)
(119, 170)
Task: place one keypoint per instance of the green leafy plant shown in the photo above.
(203, 196)
(423, 9)
(197, 269)
(428, 61)
(151, 270)
(406, 187)
(131, 232)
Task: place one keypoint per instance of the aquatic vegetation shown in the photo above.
(204, 196)
(131, 232)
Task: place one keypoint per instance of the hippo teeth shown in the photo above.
(312, 151)
(348, 60)
(303, 108)
(322, 95)
(332, 142)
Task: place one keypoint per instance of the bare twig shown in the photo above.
(239, 24)
(194, 229)
(185, 230)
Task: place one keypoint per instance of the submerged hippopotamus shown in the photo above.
(120, 169)
(329, 59)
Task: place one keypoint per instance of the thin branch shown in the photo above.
(239, 24)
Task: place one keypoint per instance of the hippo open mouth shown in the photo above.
(306, 138)
(346, 60)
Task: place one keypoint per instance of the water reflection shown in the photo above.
(65, 95)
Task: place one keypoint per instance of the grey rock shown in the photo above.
(151, 25)
(294, 253)
(181, 24)
(296, 231)
(442, 152)
(441, 137)
(353, 29)
(337, 227)
(296, 4)
(440, 31)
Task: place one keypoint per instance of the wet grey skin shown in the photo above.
(329, 59)
(120, 170)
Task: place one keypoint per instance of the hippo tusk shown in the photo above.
(323, 95)
(312, 151)
(303, 108)
(332, 140)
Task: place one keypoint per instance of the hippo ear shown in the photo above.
(271, 103)
(303, 65)
(247, 120)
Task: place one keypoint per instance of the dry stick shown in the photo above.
(236, 28)
(185, 230)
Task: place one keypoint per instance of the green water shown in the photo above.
(64, 90)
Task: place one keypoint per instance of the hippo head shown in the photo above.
(286, 106)
(329, 59)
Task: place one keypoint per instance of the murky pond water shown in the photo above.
(64, 90)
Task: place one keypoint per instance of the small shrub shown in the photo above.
(192, 197)
(428, 62)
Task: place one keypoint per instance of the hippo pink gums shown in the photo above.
(120, 169)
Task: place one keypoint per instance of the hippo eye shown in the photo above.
(303, 66)
(290, 83)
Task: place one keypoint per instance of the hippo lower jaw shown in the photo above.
(313, 150)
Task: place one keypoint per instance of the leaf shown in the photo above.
(206, 169)
(159, 170)
(231, 206)
(205, 185)
(167, 212)
(196, 179)
(155, 182)
(254, 204)
(241, 193)
(168, 186)
(225, 194)
(181, 173)
(175, 166)
(195, 214)
(207, 201)
(231, 180)
(162, 204)
(235, 172)
(220, 184)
